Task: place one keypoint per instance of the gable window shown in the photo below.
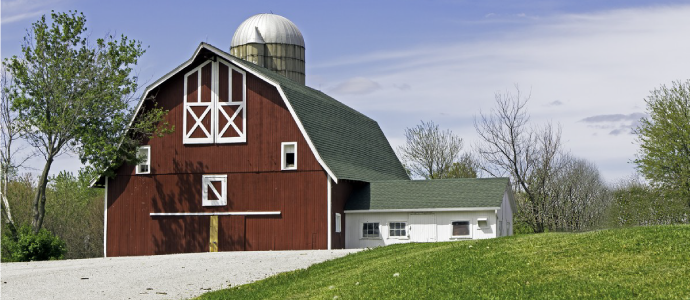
(370, 230)
(144, 155)
(214, 190)
(338, 221)
(397, 229)
(288, 160)
(214, 104)
(461, 229)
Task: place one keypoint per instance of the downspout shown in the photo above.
(328, 177)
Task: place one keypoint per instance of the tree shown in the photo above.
(73, 96)
(465, 167)
(636, 203)
(9, 164)
(579, 199)
(664, 137)
(429, 152)
(510, 146)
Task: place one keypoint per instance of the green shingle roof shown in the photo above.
(437, 193)
(351, 144)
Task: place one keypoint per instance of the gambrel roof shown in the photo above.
(347, 144)
(402, 195)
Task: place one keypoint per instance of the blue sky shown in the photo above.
(587, 64)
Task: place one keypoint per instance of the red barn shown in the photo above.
(258, 160)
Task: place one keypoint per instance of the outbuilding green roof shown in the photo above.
(351, 144)
(429, 194)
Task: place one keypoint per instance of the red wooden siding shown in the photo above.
(340, 192)
(254, 183)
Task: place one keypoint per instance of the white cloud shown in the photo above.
(600, 64)
(18, 10)
(356, 86)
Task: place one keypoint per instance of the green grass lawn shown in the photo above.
(642, 262)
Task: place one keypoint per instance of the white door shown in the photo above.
(423, 227)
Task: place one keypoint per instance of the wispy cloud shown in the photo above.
(615, 124)
(614, 118)
(597, 62)
(18, 10)
(356, 86)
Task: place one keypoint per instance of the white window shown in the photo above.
(397, 229)
(288, 156)
(370, 230)
(144, 157)
(482, 223)
(214, 190)
(214, 104)
(337, 222)
(461, 229)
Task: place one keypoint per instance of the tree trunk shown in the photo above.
(9, 222)
(38, 208)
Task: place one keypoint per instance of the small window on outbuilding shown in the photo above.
(461, 229)
(370, 230)
(144, 157)
(397, 229)
(482, 222)
(288, 160)
(338, 220)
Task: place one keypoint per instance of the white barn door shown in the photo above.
(423, 228)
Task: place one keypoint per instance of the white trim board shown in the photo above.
(228, 213)
(423, 210)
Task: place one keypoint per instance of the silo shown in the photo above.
(273, 42)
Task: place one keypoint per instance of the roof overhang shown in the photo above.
(239, 63)
(413, 210)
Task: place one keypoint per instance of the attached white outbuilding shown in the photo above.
(403, 211)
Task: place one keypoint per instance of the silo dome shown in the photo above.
(271, 41)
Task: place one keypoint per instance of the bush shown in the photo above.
(31, 246)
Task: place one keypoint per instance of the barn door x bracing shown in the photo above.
(214, 104)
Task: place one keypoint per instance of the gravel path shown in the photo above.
(177, 276)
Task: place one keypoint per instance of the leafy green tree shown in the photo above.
(664, 156)
(71, 95)
(465, 167)
(429, 152)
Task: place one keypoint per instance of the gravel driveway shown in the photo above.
(177, 276)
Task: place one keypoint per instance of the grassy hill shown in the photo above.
(641, 262)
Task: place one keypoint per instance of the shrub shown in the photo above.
(31, 246)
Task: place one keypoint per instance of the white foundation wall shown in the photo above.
(418, 232)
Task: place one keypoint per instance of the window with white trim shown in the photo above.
(214, 190)
(144, 158)
(397, 229)
(338, 222)
(460, 229)
(482, 222)
(214, 104)
(288, 156)
(370, 230)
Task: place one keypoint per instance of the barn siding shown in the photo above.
(340, 192)
(255, 183)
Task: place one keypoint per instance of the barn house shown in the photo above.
(259, 161)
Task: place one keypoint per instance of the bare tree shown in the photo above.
(11, 157)
(579, 197)
(509, 146)
(430, 152)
